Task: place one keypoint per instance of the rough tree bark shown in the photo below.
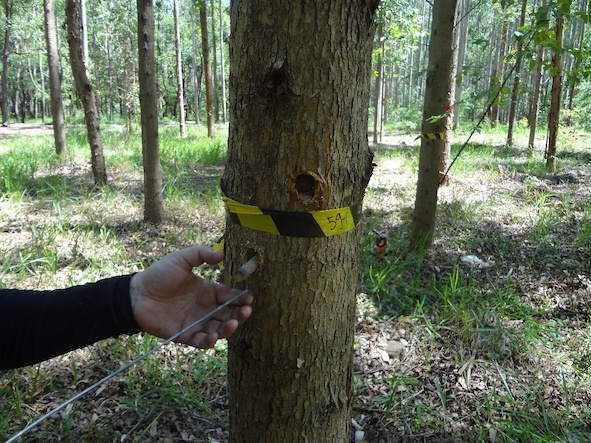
(299, 90)
(153, 199)
(85, 90)
(438, 96)
(55, 87)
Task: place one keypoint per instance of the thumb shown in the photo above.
(197, 255)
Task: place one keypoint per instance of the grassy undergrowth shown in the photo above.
(494, 350)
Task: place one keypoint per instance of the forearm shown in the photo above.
(37, 325)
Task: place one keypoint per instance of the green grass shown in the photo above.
(495, 354)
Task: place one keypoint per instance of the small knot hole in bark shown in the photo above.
(277, 83)
(275, 78)
(310, 189)
(305, 186)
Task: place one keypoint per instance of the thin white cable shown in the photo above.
(91, 388)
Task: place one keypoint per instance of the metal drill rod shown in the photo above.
(91, 388)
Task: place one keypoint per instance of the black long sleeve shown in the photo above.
(38, 325)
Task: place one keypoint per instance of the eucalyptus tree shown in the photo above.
(299, 88)
(196, 73)
(435, 135)
(209, 87)
(556, 94)
(179, 69)
(55, 85)
(85, 89)
(517, 72)
(8, 18)
(153, 198)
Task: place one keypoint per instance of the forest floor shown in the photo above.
(486, 338)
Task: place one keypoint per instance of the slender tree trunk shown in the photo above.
(222, 66)
(5, 57)
(499, 72)
(554, 113)
(378, 90)
(438, 96)
(42, 80)
(214, 69)
(55, 87)
(196, 78)
(207, 68)
(534, 103)
(153, 199)
(84, 29)
(85, 90)
(179, 70)
(462, 44)
(298, 142)
(515, 91)
(577, 63)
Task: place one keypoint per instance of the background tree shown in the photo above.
(55, 86)
(153, 199)
(517, 73)
(179, 70)
(299, 88)
(85, 90)
(436, 120)
(554, 113)
(209, 91)
(536, 82)
(5, 56)
(462, 38)
(196, 74)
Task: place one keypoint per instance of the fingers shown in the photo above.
(206, 340)
(223, 326)
(197, 255)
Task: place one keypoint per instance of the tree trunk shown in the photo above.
(55, 87)
(515, 91)
(5, 57)
(179, 70)
(214, 69)
(577, 63)
(436, 118)
(196, 78)
(378, 90)
(534, 102)
(222, 66)
(499, 72)
(299, 89)
(153, 199)
(554, 113)
(42, 80)
(207, 69)
(85, 90)
(462, 44)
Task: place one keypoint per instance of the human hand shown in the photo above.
(167, 297)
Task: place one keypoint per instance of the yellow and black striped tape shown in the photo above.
(432, 136)
(294, 224)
